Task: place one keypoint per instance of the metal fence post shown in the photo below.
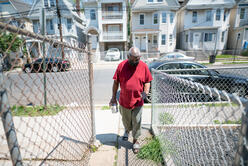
(8, 124)
(241, 157)
(44, 53)
(90, 65)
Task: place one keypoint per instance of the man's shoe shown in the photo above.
(125, 136)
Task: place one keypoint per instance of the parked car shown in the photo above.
(113, 54)
(52, 65)
(200, 74)
(174, 56)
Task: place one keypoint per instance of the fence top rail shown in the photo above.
(13, 29)
(210, 68)
(206, 89)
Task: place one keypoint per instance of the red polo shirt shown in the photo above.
(132, 80)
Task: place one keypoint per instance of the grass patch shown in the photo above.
(36, 110)
(235, 63)
(105, 108)
(166, 118)
(151, 151)
(228, 122)
(224, 56)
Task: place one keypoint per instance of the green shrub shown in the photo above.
(244, 53)
(151, 151)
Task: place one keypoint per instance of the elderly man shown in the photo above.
(134, 78)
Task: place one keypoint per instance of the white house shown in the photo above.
(204, 24)
(107, 23)
(238, 34)
(15, 12)
(154, 25)
(72, 24)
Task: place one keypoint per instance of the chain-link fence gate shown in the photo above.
(46, 105)
(199, 125)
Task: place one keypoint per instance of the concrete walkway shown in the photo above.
(108, 129)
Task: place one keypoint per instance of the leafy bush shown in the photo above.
(244, 53)
(166, 118)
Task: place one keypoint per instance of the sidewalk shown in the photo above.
(108, 129)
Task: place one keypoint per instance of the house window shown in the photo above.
(187, 38)
(194, 17)
(242, 13)
(36, 26)
(225, 14)
(171, 17)
(208, 37)
(222, 36)
(208, 15)
(142, 19)
(155, 39)
(49, 24)
(92, 14)
(163, 39)
(171, 36)
(46, 3)
(217, 17)
(69, 23)
(155, 18)
(160, 0)
(163, 17)
(150, 0)
(52, 3)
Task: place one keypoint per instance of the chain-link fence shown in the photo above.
(199, 125)
(46, 100)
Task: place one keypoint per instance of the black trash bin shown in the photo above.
(212, 59)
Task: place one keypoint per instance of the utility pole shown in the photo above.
(236, 45)
(60, 29)
(78, 7)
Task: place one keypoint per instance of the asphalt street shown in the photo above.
(62, 88)
(65, 88)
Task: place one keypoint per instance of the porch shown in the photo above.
(147, 40)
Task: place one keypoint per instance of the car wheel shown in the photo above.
(238, 90)
(27, 70)
(55, 69)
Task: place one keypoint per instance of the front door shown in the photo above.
(94, 42)
(137, 42)
(196, 40)
(143, 44)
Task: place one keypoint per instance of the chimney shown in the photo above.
(78, 7)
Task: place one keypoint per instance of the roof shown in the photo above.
(65, 5)
(21, 7)
(141, 5)
(205, 4)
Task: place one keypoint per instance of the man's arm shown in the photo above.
(147, 87)
(114, 91)
(146, 90)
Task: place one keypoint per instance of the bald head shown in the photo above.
(134, 51)
(134, 56)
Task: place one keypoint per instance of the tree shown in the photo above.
(6, 40)
(9, 42)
